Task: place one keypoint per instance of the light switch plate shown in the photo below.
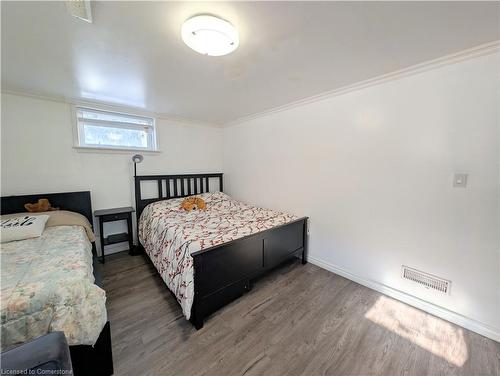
(460, 180)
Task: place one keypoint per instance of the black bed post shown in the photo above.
(137, 183)
(196, 319)
(306, 241)
(196, 310)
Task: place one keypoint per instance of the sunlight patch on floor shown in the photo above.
(437, 336)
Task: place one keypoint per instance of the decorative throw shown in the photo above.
(170, 235)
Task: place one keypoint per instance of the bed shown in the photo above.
(53, 283)
(209, 258)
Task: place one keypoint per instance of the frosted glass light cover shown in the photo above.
(209, 35)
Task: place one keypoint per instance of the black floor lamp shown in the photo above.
(137, 158)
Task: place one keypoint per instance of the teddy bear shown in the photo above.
(193, 203)
(42, 205)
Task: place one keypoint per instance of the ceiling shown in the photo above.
(132, 54)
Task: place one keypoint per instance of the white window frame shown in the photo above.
(79, 140)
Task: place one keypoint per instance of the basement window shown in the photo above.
(98, 129)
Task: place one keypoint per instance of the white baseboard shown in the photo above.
(454, 317)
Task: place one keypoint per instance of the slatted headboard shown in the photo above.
(173, 186)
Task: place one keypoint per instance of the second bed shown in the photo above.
(208, 258)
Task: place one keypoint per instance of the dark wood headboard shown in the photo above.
(78, 202)
(176, 186)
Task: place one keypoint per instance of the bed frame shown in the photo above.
(224, 273)
(86, 359)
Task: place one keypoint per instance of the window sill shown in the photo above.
(84, 149)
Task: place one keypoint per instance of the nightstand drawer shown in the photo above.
(114, 217)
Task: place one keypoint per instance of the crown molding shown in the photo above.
(471, 53)
(108, 106)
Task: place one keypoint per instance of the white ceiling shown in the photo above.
(133, 55)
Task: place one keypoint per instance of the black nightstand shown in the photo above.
(111, 215)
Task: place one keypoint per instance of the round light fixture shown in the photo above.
(210, 35)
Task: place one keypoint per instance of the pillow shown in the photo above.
(23, 227)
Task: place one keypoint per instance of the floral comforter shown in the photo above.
(47, 284)
(170, 235)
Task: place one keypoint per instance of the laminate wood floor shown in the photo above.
(297, 320)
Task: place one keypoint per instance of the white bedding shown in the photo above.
(170, 235)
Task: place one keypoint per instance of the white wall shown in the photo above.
(38, 156)
(373, 171)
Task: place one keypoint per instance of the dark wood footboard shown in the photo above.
(94, 360)
(224, 273)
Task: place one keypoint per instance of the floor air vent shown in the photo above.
(427, 280)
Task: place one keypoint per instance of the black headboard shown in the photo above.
(176, 186)
(78, 202)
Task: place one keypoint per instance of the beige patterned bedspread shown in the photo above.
(170, 235)
(47, 285)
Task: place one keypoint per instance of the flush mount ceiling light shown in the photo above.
(210, 35)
